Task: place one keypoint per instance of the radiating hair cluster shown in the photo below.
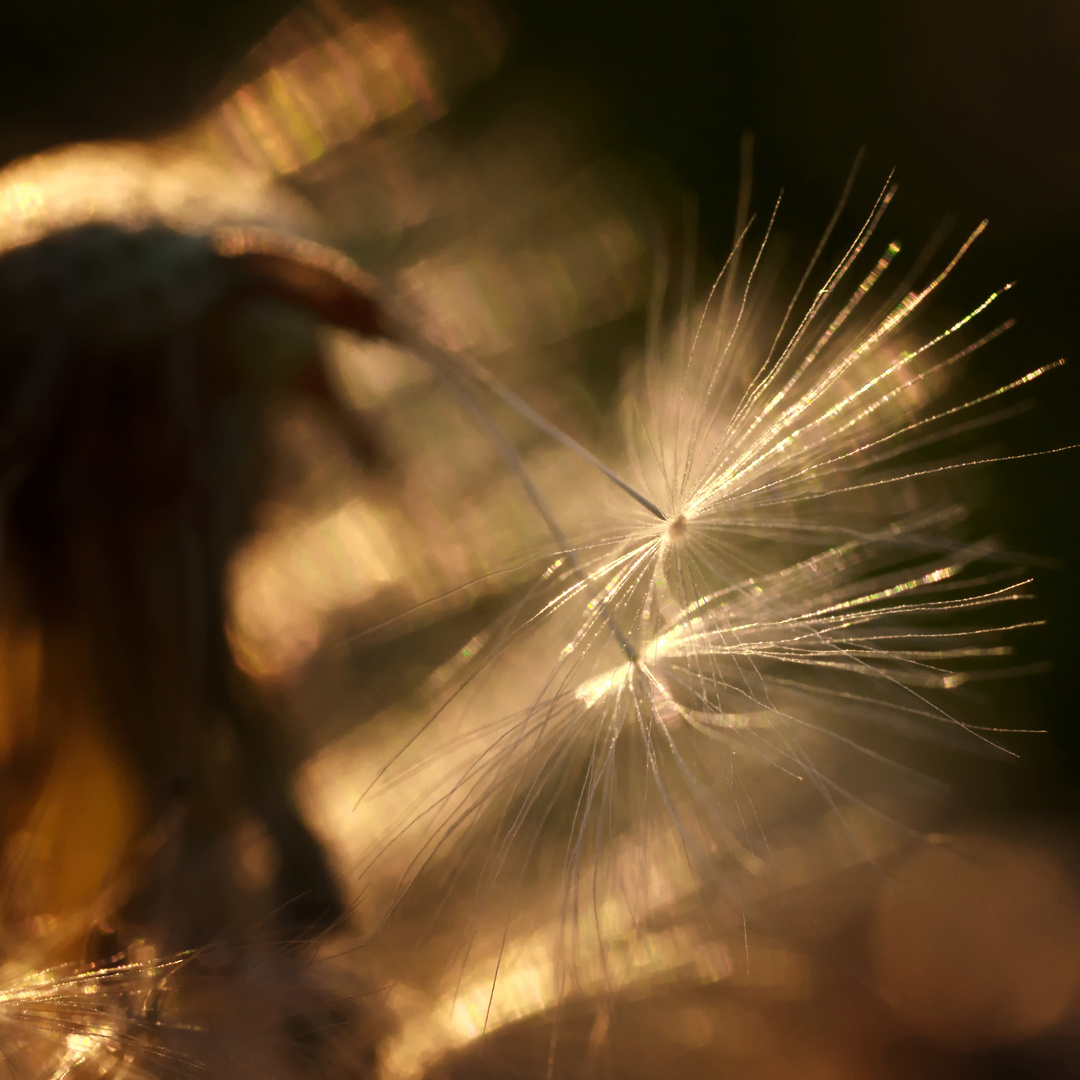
(762, 619)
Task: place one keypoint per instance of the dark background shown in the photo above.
(976, 105)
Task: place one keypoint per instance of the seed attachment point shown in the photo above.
(677, 527)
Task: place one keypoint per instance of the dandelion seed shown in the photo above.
(236, 1010)
(774, 611)
(763, 631)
